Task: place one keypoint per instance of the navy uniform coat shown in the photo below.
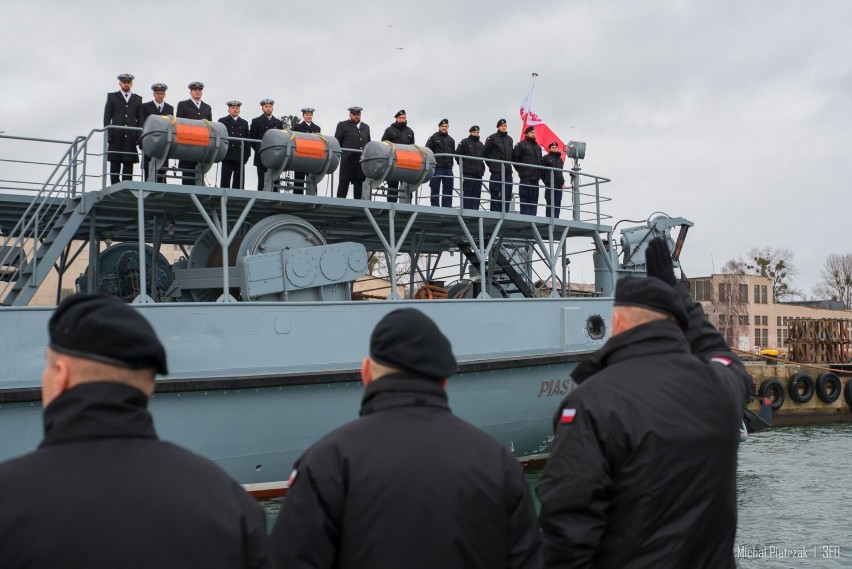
(259, 126)
(302, 126)
(150, 108)
(349, 135)
(238, 127)
(188, 110)
(120, 112)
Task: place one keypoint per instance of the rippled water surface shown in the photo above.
(794, 493)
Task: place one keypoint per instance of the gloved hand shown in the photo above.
(658, 261)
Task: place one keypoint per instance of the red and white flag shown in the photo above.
(543, 135)
(568, 416)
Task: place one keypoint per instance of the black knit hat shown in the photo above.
(501, 122)
(443, 121)
(408, 339)
(529, 129)
(399, 113)
(653, 294)
(106, 329)
(474, 128)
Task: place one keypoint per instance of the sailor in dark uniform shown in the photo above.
(306, 125)
(123, 108)
(156, 107)
(196, 109)
(408, 484)
(102, 490)
(352, 134)
(234, 164)
(259, 126)
(398, 133)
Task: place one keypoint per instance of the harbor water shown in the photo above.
(794, 498)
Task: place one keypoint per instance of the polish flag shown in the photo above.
(568, 416)
(543, 135)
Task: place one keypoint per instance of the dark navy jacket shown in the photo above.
(238, 127)
(103, 491)
(644, 461)
(409, 485)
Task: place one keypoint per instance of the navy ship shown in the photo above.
(259, 296)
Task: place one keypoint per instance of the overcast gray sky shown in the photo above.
(732, 113)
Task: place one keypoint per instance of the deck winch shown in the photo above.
(117, 273)
(311, 153)
(168, 137)
(409, 164)
(279, 258)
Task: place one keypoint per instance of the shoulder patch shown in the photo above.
(723, 361)
(292, 479)
(568, 416)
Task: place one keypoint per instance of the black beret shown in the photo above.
(501, 122)
(473, 128)
(159, 87)
(408, 339)
(529, 129)
(126, 77)
(552, 144)
(399, 113)
(653, 294)
(106, 329)
(444, 121)
(196, 85)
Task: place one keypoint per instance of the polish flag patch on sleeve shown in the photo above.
(292, 479)
(723, 361)
(568, 416)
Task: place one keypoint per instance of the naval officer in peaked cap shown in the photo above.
(354, 135)
(195, 109)
(123, 108)
(234, 163)
(259, 125)
(156, 107)
(307, 125)
(408, 484)
(102, 490)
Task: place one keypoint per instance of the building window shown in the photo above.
(779, 321)
(724, 292)
(700, 289)
(779, 339)
(756, 320)
(765, 320)
(743, 319)
(723, 319)
(760, 294)
(743, 292)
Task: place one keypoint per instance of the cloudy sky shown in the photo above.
(735, 114)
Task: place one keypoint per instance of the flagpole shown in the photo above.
(532, 88)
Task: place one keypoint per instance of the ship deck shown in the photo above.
(434, 229)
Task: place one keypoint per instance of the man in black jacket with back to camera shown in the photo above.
(644, 461)
(102, 490)
(408, 484)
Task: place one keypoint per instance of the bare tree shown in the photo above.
(777, 264)
(836, 275)
(730, 301)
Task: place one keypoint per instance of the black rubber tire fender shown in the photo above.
(800, 387)
(828, 387)
(847, 392)
(773, 389)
